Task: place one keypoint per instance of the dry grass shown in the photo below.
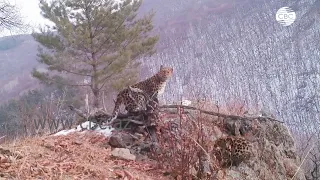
(235, 107)
(182, 147)
(74, 156)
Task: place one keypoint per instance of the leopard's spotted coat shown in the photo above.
(136, 97)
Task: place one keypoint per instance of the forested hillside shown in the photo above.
(17, 58)
(237, 51)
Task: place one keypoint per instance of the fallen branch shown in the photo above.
(127, 120)
(219, 114)
(78, 111)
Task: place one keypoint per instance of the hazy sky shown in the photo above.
(29, 10)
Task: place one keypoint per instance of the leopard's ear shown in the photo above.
(161, 67)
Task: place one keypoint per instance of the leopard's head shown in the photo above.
(165, 72)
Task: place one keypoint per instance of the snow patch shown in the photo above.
(186, 102)
(106, 130)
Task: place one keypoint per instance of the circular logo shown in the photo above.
(285, 16)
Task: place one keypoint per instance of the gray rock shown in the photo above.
(121, 140)
(123, 153)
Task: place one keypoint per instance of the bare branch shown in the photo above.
(10, 18)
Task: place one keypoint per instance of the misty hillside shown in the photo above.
(17, 58)
(223, 50)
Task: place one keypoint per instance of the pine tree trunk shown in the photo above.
(96, 98)
(95, 85)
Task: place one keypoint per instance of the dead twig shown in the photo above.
(302, 162)
(2, 139)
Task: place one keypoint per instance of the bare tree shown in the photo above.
(10, 18)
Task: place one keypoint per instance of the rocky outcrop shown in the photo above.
(236, 147)
(273, 152)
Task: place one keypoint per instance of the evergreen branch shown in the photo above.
(107, 65)
(110, 37)
(105, 81)
(52, 80)
(85, 50)
(99, 22)
(124, 47)
(96, 31)
(76, 73)
(130, 41)
(74, 85)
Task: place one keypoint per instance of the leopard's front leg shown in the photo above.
(116, 109)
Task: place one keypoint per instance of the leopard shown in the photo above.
(232, 150)
(138, 96)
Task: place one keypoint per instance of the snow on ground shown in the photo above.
(186, 102)
(105, 130)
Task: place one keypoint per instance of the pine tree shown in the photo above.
(95, 40)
